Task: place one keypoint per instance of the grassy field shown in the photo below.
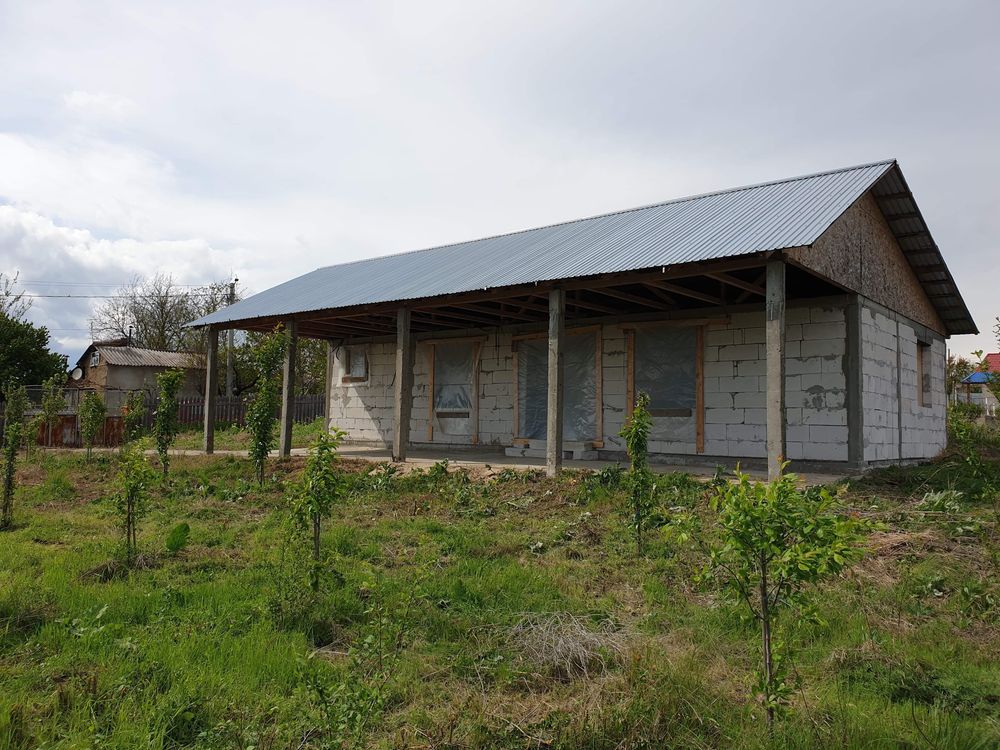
(233, 438)
(457, 611)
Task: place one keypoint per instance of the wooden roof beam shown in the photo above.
(635, 299)
(729, 280)
(685, 292)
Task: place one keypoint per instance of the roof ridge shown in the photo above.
(566, 222)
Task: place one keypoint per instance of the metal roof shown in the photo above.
(742, 221)
(977, 378)
(133, 356)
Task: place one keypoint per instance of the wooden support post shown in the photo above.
(554, 415)
(211, 388)
(403, 388)
(854, 382)
(775, 344)
(288, 390)
(331, 365)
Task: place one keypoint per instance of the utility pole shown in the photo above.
(229, 343)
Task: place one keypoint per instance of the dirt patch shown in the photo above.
(115, 569)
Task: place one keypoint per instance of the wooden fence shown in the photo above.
(232, 410)
(228, 411)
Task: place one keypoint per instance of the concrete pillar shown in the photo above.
(854, 381)
(554, 412)
(775, 344)
(288, 391)
(403, 386)
(211, 388)
(328, 390)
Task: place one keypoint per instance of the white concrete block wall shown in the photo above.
(887, 387)
(365, 410)
(735, 385)
(815, 385)
(879, 385)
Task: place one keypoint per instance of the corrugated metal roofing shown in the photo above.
(132, 356)
(742, 221)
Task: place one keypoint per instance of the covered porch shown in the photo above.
(545, 316)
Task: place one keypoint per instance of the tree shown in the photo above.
(15, 406)
(53, 402)
(155, 311)
(93, 413)
(134, 477)
(166, 423)
(768, 544)
(133, 412)
(956, 370)
(13, 303)
(268, 357)
(640, 479)
(321, 486)
(24, 352)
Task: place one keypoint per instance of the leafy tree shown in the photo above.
(134, 477)
(268, 357)
(15, 406)
(24, 352)
(133, 413)
(768, 544)
(93, 413)
(641, 487)
(53, 402)
(322, 485)
(956, 370)
(166, 423)
(12, 440)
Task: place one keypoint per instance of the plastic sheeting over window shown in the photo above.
(664, 369)
(453, 379)
(580, 384)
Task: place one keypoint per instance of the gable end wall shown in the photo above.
(860, 252)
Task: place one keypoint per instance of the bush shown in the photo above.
(93, 413)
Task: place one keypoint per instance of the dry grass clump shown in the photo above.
(566, 646)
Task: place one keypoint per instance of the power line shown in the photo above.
(209, 295)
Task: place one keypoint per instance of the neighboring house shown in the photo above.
(116, 366)
(804, 318)
(974, 386)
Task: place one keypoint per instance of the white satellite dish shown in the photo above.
(77, 373)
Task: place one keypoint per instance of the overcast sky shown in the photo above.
(266, 139)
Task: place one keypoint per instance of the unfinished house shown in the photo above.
(803, 319)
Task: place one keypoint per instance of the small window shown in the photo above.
(95, 359)
(356, 366)
(923, 373)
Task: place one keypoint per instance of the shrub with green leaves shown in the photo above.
(12, 440)
(53, 402)
(768, 544)
(93, 413)
(166, 423)
(322, 485)
(132, 483)
(177, 538)
(268, 356)
(133, 413)
(641, 487)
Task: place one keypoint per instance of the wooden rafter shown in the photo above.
(729, 280)
(685, 292)
(635, 299)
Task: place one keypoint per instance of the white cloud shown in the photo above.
(99, 105)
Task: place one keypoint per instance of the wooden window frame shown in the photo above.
(699, 369)
(924, 399)
(477, 348)
(349, 379)
(598, 332)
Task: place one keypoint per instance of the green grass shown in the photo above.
(234, 438)
(408, 644)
